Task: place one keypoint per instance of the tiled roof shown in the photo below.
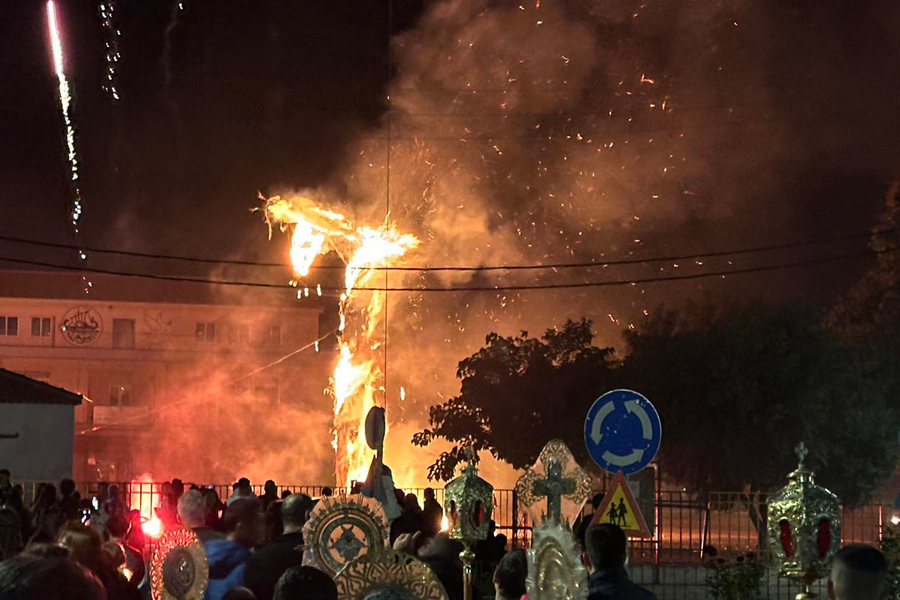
(18, 389)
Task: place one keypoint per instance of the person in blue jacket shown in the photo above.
(244, 524)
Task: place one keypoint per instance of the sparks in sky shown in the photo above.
(107, 11)
(65, 103)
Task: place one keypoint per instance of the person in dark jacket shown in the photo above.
(227, 557)
(268, 564)
(606, 547)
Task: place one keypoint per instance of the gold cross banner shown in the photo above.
(558, 478)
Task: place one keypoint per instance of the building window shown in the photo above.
(40, 326)
(272, 336)
(206, 332)
(120, 395)
(123, 333)
(9, 325)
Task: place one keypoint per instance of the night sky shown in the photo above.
(791, 109)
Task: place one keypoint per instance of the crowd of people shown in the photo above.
(64, 547)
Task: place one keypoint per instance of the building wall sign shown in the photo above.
(81, 326)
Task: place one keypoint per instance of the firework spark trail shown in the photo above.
(65, 102)
(107, 10)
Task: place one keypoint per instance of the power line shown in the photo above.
(549, 286)
(464, 268)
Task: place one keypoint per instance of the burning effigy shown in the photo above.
(357, 382)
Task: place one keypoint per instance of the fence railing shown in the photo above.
(687, 527)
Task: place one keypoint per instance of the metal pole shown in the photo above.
(515, 520)
(467, 556)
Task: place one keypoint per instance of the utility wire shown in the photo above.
(561, 265)
(499, 288)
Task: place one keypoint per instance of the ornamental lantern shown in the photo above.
(468, 503)
(804, 527)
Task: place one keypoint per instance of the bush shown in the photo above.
(739, 580)
(890, 545)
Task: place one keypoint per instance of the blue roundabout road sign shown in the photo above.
(622, 431)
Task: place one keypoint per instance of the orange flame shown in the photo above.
(356, 377)
(152, 528)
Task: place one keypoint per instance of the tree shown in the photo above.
(517, 393)
(738, 389)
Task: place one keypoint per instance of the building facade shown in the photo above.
(167, 369)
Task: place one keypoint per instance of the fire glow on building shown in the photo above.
(357, 383)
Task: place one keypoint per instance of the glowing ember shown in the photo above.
(152, 528)
(356, 376)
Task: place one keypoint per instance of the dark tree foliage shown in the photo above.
(739, 389)
(517, 393)
(736, 390)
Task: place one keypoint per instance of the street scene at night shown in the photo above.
(449, 300)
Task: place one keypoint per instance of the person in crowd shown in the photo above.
(239, 593)
(69, 499)
(86, 549)
(305, 583)
(285, 493)
(270, 494)
(240, 489)
(45, 499)
(47, 530)
(410, 521)
(327, 492)
(510, 576)
(214, 508)
(441, 554)
(432, 513)
(244, 526)
(491, 549)
(117, 530)
(274, 524)
(177, 491)
(10, 532)
(606, 548)
(859, 572)
(135, 537)
(167, 509)
(269, 563)
(192, 513)
(29, 577)
(584, 521)
(5, 485)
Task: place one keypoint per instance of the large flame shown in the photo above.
(357, 377)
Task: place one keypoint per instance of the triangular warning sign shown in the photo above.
(620, 508)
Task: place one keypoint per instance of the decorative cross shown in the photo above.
(802, 452)
(554, 487)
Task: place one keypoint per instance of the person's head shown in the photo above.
(596, 501)
(429, 493)
(113, 492)
(270, 488)
(411, 503)
(305, 583)
(239, 593)
(244, 522)
(28, 577)
(177, 488)
(606, 546)
(441, 548)
(4, 477)
(243, 482)
(84, 544)
(66, 487)
(510, 575)
(327, 491)
(117, 526)
(858, 572)
(212, 498)
(295, 511)
(192, 509)
(285, 494)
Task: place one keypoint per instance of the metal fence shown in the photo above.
(688, 528)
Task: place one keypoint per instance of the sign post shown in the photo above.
(622, 433)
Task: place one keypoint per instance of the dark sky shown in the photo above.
(226, 99)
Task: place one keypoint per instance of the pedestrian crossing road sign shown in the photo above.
(620, 508)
